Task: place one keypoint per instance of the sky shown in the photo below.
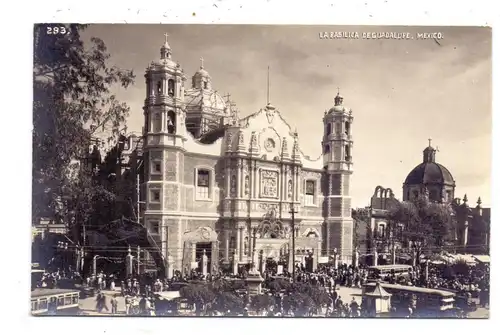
(401, 92)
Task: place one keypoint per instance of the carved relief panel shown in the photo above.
(268, 184)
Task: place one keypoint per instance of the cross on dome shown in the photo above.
(430, 141)
(201, 62)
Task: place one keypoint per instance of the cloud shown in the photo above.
(401, 92)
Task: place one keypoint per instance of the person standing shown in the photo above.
(128, 303)
(114, 305)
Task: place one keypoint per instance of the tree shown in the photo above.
(300, 303)
(72, 102)
(199, 295)
(426, 224)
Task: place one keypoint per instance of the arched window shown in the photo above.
(347, 153)
(310, 192)
(171, 87)
(328, 128)
(205, 85)
(171, 122)
(202, 184)
(159, 88)
(381, 231)
(347, 128)
(327, 149)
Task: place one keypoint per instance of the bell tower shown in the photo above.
(338, 164)
(164, 135)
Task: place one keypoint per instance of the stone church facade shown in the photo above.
(225, 186)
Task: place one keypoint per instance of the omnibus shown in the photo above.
(382, 271)
(427, 302)
(46, 301)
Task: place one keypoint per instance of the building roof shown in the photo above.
(378, 292)
(429, 173)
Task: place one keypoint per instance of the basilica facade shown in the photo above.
(236, 189)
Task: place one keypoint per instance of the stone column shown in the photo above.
(238, 179)
(355, 257)
(241, 181)
(262, 263)
(254, 188)
(214, 257)
(170, 269)
(375, 257)
(129, 263)
(315, 256)
(250, 242)
(296, 183)
(235, 263)
(242, 243)
(228, 178)
(204, 263)
(226, 245)
(193, 255)
(237, 246)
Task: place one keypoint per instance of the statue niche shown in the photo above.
(171, 122)
(270, 227)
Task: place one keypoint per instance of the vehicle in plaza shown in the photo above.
(382, 271)
(45, 301)
(425, 302)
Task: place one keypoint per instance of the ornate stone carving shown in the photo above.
(270, 227)
(253, 140)
(265, 206)
(270, 115)
(247, 185)
(290, 189)
(269, 184)
(233, 185)
(229, 139)
(241, 138)
(269, 145)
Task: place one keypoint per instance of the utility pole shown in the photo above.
(293, 212)
(138, 260)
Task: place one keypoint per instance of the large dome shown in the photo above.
(208, 98)
(430, 173)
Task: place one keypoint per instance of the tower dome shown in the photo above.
(201, 78)
(429, 176)
(338, 107)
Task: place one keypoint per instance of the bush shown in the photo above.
(226, 301)
(261, 302)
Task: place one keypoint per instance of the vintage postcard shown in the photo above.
(261, 170)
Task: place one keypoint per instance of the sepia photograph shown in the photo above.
(287, 171)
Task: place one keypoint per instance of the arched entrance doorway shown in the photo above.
(200, 251)
(272, 241)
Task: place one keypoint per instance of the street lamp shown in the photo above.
(63, 247)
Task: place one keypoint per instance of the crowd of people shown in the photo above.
(139, 292)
